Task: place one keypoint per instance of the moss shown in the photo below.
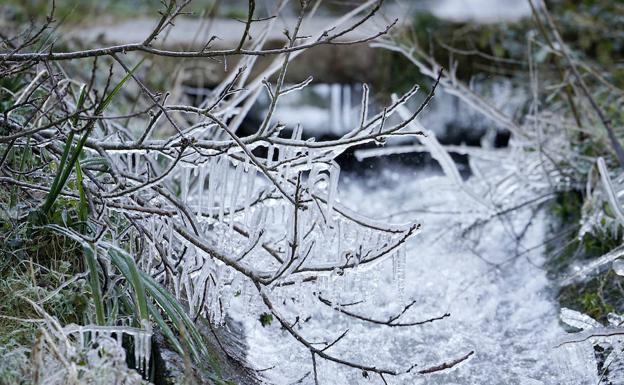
(597, 297)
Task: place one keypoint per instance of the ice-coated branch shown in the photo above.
(209, 214)
(391, 321)
(366, 368)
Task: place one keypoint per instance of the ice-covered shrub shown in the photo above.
(176, 214)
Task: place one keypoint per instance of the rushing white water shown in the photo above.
(501, 303)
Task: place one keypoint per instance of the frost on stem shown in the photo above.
(209, 215)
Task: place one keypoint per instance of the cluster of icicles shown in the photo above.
(93, 354)
(239, 211)
(105, 343)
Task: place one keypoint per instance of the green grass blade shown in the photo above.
(173, 310)
(89, 127)
(160, 321)
(94, 281)
(132, 275)
(172, 307)
(176, 314)
(66, 171)
(68, 143)
(117, 88)
(83, 208)
(79, 104)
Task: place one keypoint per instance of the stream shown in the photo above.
(486, 271)
(502, 306)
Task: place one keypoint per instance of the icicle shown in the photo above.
(290, 152)
(376, 278)
(289, 220)
(151, 245)
(380, 239)
(228, 276)
(200, 190)
(212, 182)
(282, 153)
(214, 300)
(137, 351)
(357, 282)
(175, 278)
(258, 222)
(284, 173)
(271, 214)
(188, 288)
(394, 266)
(251, 181)
(81, 339)
(399, 261)
(297, 290)
(223, 180)
(215, 292)
(357, 242)
(142, 345)
(200, 286)
(222, 300)
(170, 238)
(314, 177)
(297, 132)
(364, 106)
(184, 183)
(238, 176)
(334, 174)
(321, 284)
(129, 165)
(328, 238)
(147, 353)
(340, 240)
(135, 159)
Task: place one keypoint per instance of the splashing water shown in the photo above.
(500, 301)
